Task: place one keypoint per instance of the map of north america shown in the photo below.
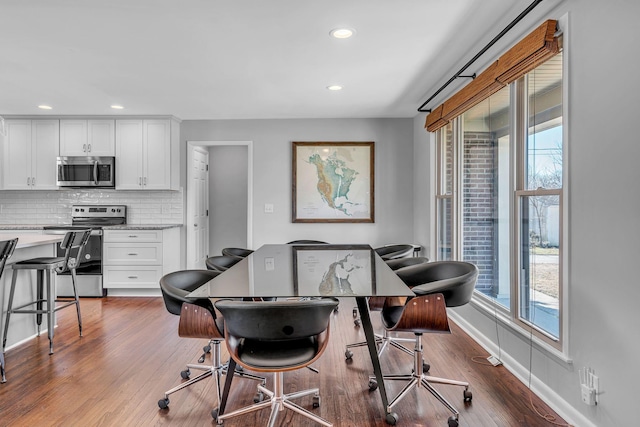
(334, 182)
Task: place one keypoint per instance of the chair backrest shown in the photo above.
(394, 251)
(73, 244)
(177, 285)
(221, 263)
(199, 322)
(276, 320)
(6, 250)
(456, 280)
(423, 313)
(237, 252)
(399, 263)
(307, 242)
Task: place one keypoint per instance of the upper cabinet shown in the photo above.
(30, 148)
(147, 154)
(87, 137)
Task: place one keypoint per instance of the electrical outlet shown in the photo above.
(589, 386)
(268, 208)
(494, 361)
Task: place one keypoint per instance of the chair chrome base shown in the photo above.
(383, 341)
(278, 401)
(215, 370)
(417, 379)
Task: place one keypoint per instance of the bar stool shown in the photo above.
(6, 250)
(73, 244)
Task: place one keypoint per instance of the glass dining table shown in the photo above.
(308, 271)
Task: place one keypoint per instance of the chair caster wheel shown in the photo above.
(206, 349)
(239, 368)
(259, 397)
(391, 418)
(356, 322)
(355, 312)
(316, 401)
(163, 403)
(452, 421)
(373, 385)
(467, 395)
(425, 367)
(348, 354)
(185, 374)
(214, 415)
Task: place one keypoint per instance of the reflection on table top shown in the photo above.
(307, 271)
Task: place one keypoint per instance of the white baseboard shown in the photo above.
(544, 392)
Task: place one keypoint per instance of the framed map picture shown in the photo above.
(333, 182)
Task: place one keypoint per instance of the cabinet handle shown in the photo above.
(145, 180)
(140, 181)
(33, 181)
(84, 147)
(89, 148)
(132, 236)
(132, 277)
(28, 181)
(132, 254)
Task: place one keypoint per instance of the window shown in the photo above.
(499, 197)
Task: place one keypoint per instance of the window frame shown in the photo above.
(518, 128)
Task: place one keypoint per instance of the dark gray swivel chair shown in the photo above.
(437, 285)
(276, 337)
(221, 263)
(237, 252)
(394, 251)
(6, 250)
(198, 319)
(73, 244)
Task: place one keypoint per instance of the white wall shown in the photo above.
(603, 219)
(227, 197)
(272, 174)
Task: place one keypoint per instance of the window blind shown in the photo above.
(536, 48)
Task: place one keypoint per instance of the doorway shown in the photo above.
(219, 200)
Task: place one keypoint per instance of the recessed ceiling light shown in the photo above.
(45, 107)
(117, 107)
(342, 33)
(334, 87)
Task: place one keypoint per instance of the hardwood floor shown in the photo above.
(131, 354)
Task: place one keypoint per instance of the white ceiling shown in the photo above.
(237, 59)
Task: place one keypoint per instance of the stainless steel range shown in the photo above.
(89, 274)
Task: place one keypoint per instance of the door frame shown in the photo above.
(249, 144)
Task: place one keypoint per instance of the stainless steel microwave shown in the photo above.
(86, 172)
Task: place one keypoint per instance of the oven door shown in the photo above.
(91, 263)
(86, 172)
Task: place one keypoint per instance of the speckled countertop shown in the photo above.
(141, 226)
(37, 227)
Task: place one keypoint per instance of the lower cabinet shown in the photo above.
(135, 260)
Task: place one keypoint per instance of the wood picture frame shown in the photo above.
(333, 182)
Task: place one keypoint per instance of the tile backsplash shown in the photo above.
(54, 207)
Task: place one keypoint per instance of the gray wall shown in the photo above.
(603, 220)
(272, 174)
(227, 198)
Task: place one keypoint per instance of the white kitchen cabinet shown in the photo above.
(147, 154)
(29, 156)
(135, 260)
(95, 137)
